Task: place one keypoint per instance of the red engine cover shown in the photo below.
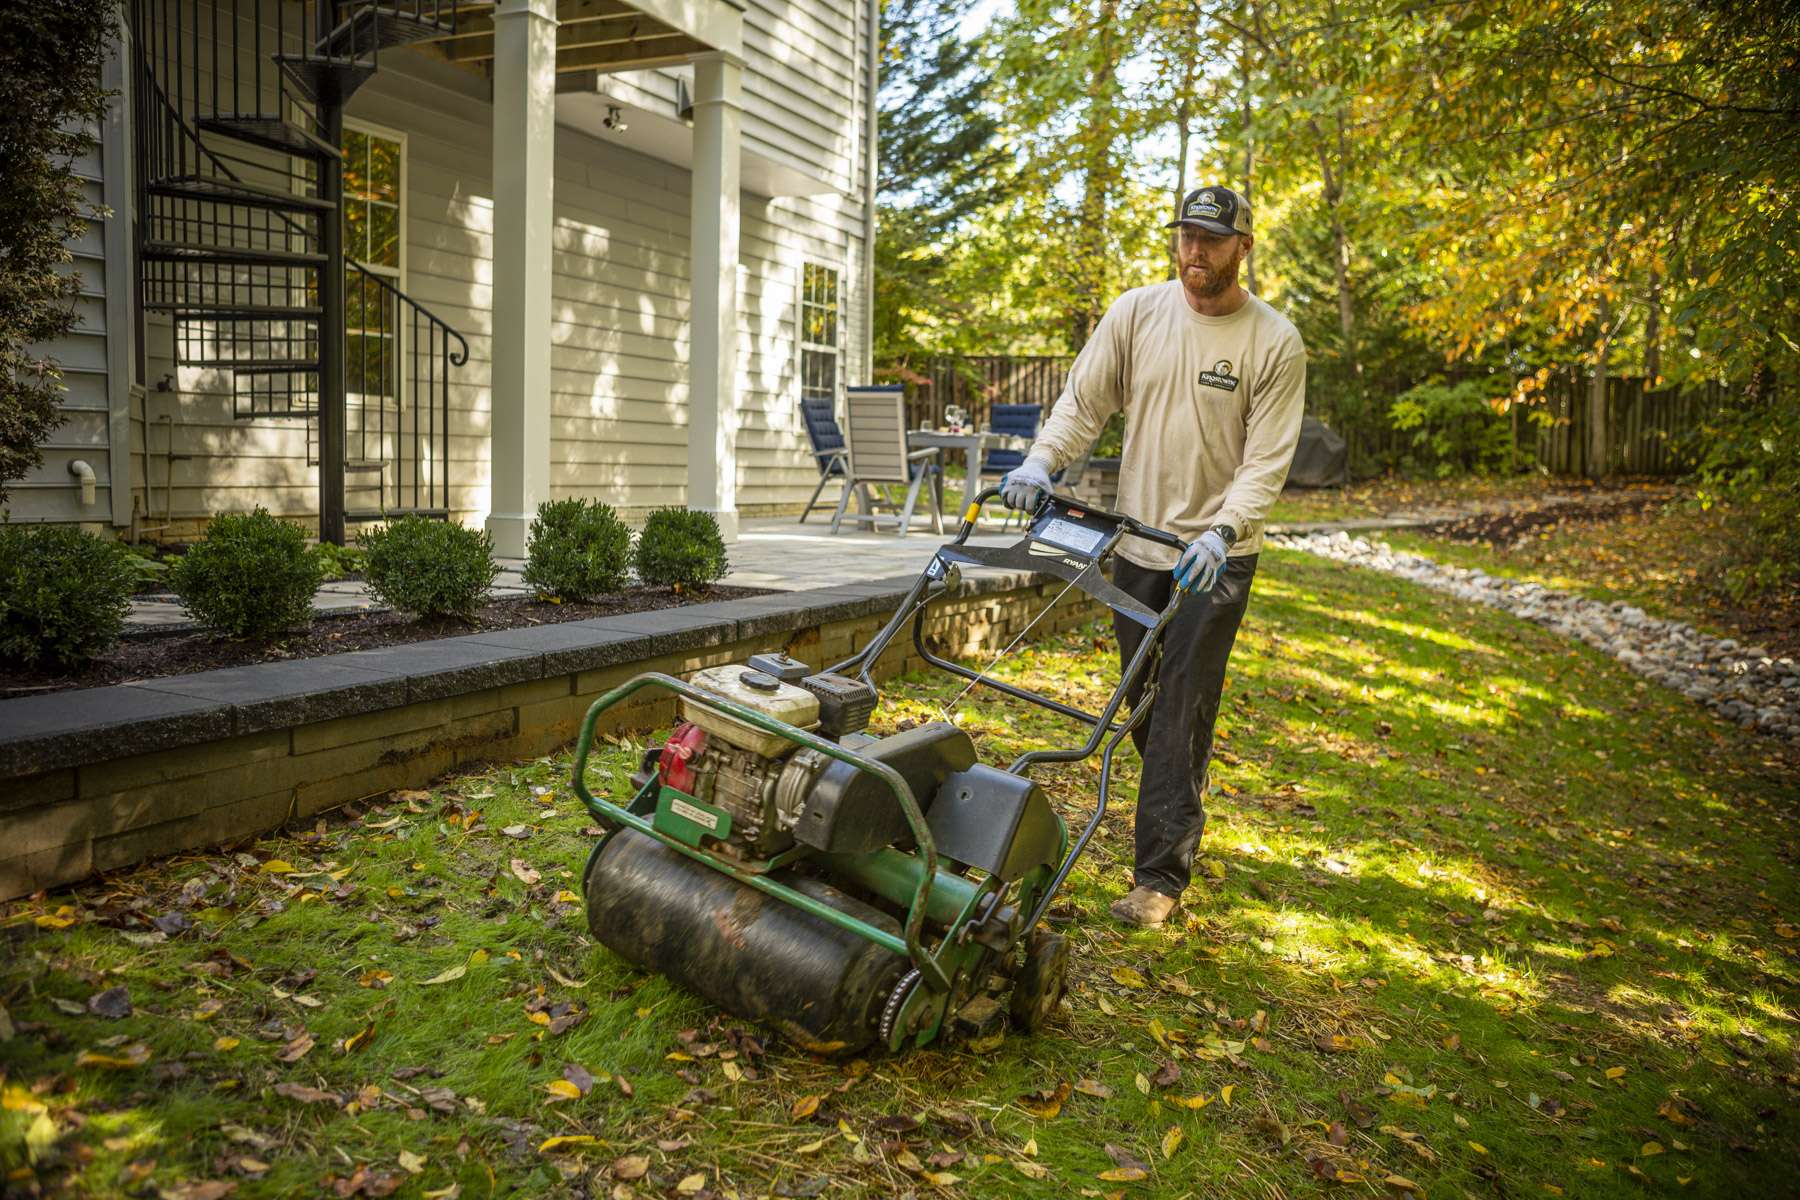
(685, 742)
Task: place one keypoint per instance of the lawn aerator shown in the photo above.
(843, 888)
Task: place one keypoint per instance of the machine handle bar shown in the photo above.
(912, 946)
(1131, 524)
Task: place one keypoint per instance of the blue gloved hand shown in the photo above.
(1202, 563)
(1024, 486)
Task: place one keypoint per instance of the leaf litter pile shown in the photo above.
(1478, 914)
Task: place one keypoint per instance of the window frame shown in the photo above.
(395, 275)
(802, 346)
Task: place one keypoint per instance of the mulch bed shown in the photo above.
(155, 656)
(1505, 528)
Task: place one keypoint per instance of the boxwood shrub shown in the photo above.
(682, 549)
(64, 594)
(577, 549)
(251, 576)
(430, 568)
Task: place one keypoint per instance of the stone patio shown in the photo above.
(771, 552)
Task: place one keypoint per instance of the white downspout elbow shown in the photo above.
(80, 469)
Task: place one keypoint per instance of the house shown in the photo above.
(458, 257)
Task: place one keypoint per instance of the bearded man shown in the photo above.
(1212, 383)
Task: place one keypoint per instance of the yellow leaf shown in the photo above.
(360, 1038)
(278, 866)
(733, 1072)
(1478, 1148)
(206, 1010)
(1650, 1149)
(1143, 1084)
(940, 1178)
(134, 1055)
(562, 1089)
(412, 1163)
(565, 896)
(1124, 1174)
(810, 1147)
(1106, 1007)
(225, 1043)
(568, 1141)
(449, 976)
(804, 1107)
(1195, 1102)
(1225, 1094)
(1615, 1072)
(538, 1018)
(1030, 1170)
(1171, 1141)
(62, 918)
(1401, 1182)
(692, 1183)
(1128, 977)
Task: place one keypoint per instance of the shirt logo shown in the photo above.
(1220, 376)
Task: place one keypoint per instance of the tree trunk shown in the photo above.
(1599, 465)
(1249, 155)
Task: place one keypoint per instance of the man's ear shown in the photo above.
(1249, 241)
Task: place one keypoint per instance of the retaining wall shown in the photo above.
(102, 778)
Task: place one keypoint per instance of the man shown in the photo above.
(1212, 382)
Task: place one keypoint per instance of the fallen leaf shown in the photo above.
(1124, 1175)
(296, 1049)
(1030, 1170)
(1128, 977)
(113, 1004)
(1478, 1148)
(1650, 1149)
(134, 1055)
(632, 1166)
(412, 1163)
(212, 1189)
(691, 1184)
(1171, 1141)
(525, 872)
(1124, 1158)
(449, 976)
(359, 1039)
(569, 1141)
(1195, 1102)
(1225, 1094)
(375, 978)
(1046, 1104)
(225, 1043)
(306, 1095)
(1093, 1087)
(562, 1089)
(278, 866)
(1615, 1072)
(804, 1107)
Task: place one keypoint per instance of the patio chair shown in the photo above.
(828, 447)
(1016, 420)
(875, 424)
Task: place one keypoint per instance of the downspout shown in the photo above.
(870, 168)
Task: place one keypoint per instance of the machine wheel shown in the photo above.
(1042, 980)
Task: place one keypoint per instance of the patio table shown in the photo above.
(972, 444)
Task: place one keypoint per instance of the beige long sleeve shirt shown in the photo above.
(1212, 414)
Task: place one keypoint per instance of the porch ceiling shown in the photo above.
(603, 35)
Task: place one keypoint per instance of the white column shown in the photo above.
(712, 347)
(524, 141)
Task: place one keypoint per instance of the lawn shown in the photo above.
(1480, 913)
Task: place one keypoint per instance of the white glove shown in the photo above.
(1025, 486)
(1202, 563)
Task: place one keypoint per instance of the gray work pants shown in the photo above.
(1175, 741)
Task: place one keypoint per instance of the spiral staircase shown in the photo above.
(238, 129)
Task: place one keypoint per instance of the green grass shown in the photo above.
(1477, 908)
(1390, 493)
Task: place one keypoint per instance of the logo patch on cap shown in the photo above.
(1204, 205)
(1220, 377)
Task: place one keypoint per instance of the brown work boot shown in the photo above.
(1144, 906)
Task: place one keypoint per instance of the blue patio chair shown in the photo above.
(820, 415)
(1016, 420)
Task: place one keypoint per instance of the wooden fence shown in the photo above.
(1644, 428)
(974, 383)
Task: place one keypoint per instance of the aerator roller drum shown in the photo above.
(846, 889)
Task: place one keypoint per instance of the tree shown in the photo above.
(51, 53)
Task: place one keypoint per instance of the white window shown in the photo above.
(374, 184)
(819, 345)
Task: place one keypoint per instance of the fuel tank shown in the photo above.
(753, 955)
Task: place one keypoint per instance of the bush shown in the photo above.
(338, 561)
(1455, 426)
(681, 549)
(431, 568)
(63, 594)
(578, 549)
(251, 577)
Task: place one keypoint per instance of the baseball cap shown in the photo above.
(1215, 209)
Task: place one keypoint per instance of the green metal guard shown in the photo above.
(930, 971)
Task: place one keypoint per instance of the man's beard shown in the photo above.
(1217, 282)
